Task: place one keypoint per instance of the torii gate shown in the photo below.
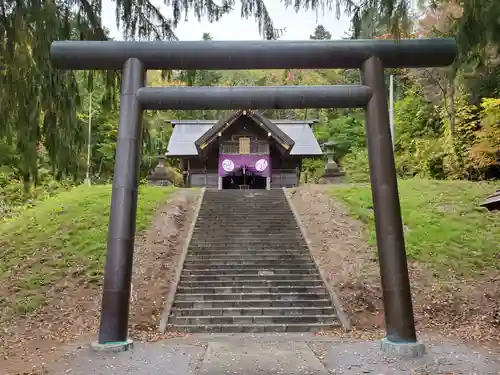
(371, 56)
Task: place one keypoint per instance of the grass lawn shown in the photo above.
(62, 237)
(444, 226)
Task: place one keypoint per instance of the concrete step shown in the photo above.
(236, 203)
(197, 264)
(218, 204)
(224, 217)
(240, 237)
(244, 195)
(265, 211)
(250, 296)
(258, 225)
(248, 269)
(249, 319)
(244, 210)
(244, 243)
(239, 225)
(223, 198)
(253, 253)
(224, 201)
(247, 261)
(259, 271)
(220, 245)
(250, 289)
(256, 198)
(246, 229)
(298, 257)
(257, 251)
(251, 283)
(248, 195)
(253, 311)
(261, 247)
(252, 249)
(250, 278)
(248, 258)
(229, 243)
(244, 235)
(251, 328)
(243, 225)
(259, 303)
(242, 228)
(235, 224)
(228, 219)
(249, 207)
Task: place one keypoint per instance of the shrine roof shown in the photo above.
(186, 132)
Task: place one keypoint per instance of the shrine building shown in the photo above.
(244, 150)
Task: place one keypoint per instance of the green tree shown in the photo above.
(320, 33)
(346, 131)
(39, 105)
(44, 121)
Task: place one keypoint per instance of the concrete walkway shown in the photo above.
(266, 354)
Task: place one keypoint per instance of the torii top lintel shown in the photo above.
(265, 54)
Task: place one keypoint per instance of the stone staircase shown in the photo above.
(248, 269)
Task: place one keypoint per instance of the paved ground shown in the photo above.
(287, 354)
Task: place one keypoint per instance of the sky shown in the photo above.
(231, 27)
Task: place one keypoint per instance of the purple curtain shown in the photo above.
(259, 165)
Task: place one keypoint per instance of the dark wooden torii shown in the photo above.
(371, 56)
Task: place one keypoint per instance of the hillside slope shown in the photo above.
(453, 249)
(51, 265)
(444, 226)
(62, 237)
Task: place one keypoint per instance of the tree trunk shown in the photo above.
(26, 182)
(451, 97)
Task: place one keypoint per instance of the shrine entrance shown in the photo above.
(244, 171)
(371, 56)
(243, 181)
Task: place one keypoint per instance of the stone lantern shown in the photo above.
(332, 173)
(161, 176)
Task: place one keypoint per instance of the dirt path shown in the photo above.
(465, 309)
(339, 245)
(157, 254)
(69, 319)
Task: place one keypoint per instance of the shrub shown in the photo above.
(355, 165)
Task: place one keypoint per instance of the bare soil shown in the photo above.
(463, 309)
(69, 317)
